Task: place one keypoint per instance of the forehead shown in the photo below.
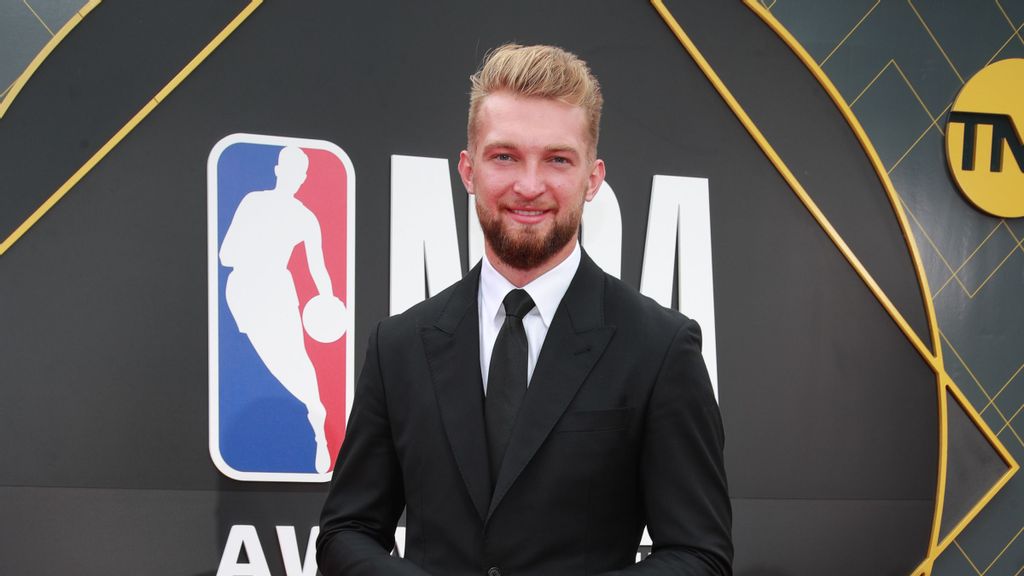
(530, 121)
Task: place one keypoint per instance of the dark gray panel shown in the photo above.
(973, 466)
(153, 532)
(783, 537)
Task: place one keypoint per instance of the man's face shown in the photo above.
(531, 171)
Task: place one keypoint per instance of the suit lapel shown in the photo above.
(452, 345)
(575, 340)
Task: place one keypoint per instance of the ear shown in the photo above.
(466, 170)
(595, 179)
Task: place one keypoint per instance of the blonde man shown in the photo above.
(537, 415)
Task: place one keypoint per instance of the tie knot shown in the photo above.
(517, 303)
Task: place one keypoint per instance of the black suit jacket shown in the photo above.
(619, 429)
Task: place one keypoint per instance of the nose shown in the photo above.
(529, 181)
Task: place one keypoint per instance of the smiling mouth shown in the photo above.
(528, 212)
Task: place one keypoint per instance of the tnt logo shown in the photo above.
(985, 139)
(281, 254)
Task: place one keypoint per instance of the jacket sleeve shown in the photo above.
(366, 497)
(686, 498)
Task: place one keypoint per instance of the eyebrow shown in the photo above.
(564, 148)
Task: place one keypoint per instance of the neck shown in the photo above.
(519, 277)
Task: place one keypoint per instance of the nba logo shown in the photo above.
(281, 216)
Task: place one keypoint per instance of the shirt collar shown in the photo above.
(546, 290)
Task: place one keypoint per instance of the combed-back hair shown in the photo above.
(537, 71)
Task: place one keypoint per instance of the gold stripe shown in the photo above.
(850, 33)
(1001, 389)
(969, 561)
(872, 82)
(934, 124)
(952, 274)
(1010, 419)
(1003, 551)
(1007, 16)
(139, 117)
(36, 14)
(935, 40)
(1016, 34)
(42, 55)
(917, 96)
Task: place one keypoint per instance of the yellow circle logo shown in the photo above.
(985, 139)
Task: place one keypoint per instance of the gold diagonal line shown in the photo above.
(1019, 241)
(6, 90)
(852, 30)
(1010, 22)
(916, 95)
(934, 124)
(934, 39)
(871, 83)
(969, 561)
(36, 14)
(977, 248)
(931, 358)
(772, 5)
(1004, 386)
(1015, 34)
(946, 283)
(1012, 417)
(1013, 431)
(135, 120)
(19, 82)
(1003, 551)
(1019, 572)
(971, 374)
(993, 272)
(934, 247)
(967, 291)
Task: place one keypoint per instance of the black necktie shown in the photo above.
(506, 378)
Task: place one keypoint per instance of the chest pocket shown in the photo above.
(594, 420)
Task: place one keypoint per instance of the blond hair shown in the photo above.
(541, 72)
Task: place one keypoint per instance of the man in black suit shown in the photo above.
(532, 431)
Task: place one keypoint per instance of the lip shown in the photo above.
(527, 216)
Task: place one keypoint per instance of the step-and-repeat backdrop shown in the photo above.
(832, 189)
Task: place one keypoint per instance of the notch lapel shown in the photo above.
(452, 346)
(574, 342)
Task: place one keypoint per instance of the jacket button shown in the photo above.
(493, 571)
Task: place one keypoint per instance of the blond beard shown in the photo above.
(525, 250)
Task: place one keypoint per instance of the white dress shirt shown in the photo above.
(547, 291)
